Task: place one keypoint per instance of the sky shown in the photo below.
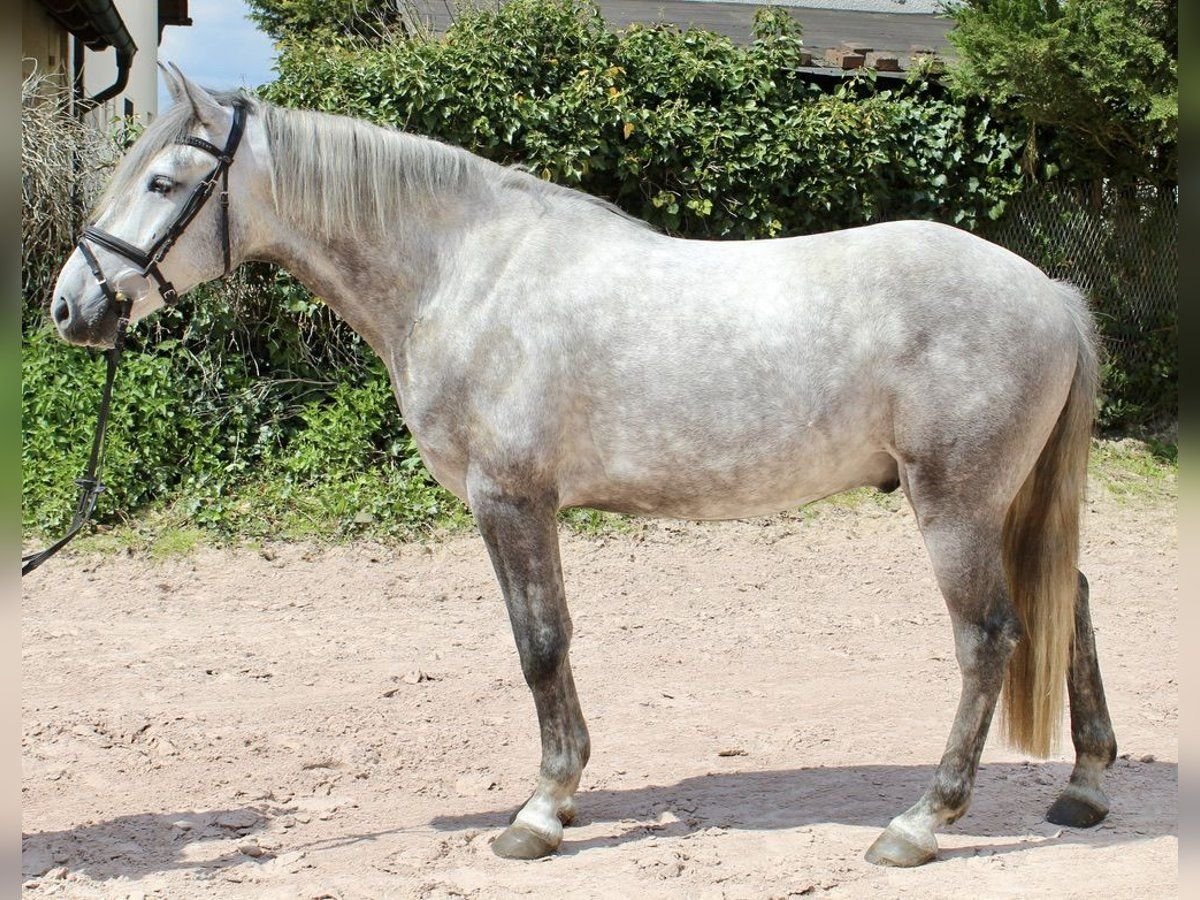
(221, 49)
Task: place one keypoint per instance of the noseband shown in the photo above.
(147, 260)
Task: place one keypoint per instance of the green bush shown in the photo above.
(151, 434)
(252, 411)
(1093, 84)
(681, 128)
(287, 427)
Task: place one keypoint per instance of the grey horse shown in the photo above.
(548, 351)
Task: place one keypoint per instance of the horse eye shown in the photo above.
(161, 184)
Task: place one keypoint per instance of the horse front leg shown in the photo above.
(521, 534)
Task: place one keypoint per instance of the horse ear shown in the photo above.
(208, 110)
(174, 88)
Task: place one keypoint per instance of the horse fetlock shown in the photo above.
(564, 810)
(567, 810)
(951, 795)
(1095, 746)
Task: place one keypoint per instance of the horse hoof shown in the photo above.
(894, 849)
(1077, 809)
(519, 842)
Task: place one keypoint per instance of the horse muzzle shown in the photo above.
(92, 323)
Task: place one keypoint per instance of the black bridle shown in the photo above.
(148, 260)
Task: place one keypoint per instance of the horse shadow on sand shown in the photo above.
(1008, 808)
(1010, 802)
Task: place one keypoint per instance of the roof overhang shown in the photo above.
(96, 23)
(172, 12)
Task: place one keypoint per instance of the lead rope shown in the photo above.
(90, 485)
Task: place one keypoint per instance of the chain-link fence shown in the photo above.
(1119, 248)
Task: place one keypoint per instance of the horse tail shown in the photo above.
(1041, 550)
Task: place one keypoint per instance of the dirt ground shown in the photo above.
(763, 697)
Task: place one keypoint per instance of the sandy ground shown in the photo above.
(762, 697)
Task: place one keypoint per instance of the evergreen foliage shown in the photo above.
(1092, 83)
(251, 410)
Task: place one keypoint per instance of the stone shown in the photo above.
(238, 819)
(841, 58)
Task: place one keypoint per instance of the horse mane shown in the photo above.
(338, 175)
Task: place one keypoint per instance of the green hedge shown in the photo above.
(682, 128)
(251, 411)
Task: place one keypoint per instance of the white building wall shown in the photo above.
(45, 46)
(100, 68)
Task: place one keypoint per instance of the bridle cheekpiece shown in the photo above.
(148, 260)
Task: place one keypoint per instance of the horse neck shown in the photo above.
(375, 281)
(373, 287)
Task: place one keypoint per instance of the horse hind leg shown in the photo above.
(967, 560)
(1083, 803)
(520, 531)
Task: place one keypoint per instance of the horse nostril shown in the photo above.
(61, 311)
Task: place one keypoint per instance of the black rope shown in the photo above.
(90, 485)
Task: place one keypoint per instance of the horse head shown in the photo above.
(158, 230)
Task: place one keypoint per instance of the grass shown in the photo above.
(154, 536)
(1134, 471)
(594, 523)
(1129, 470)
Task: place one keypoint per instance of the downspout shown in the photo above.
(108, 23)
(78, 56)
(124, 63)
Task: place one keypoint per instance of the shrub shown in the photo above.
(252, 411)
(682, 128)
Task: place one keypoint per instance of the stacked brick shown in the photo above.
(856, 56)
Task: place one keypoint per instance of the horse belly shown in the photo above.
(757, 473)
(731, 411)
